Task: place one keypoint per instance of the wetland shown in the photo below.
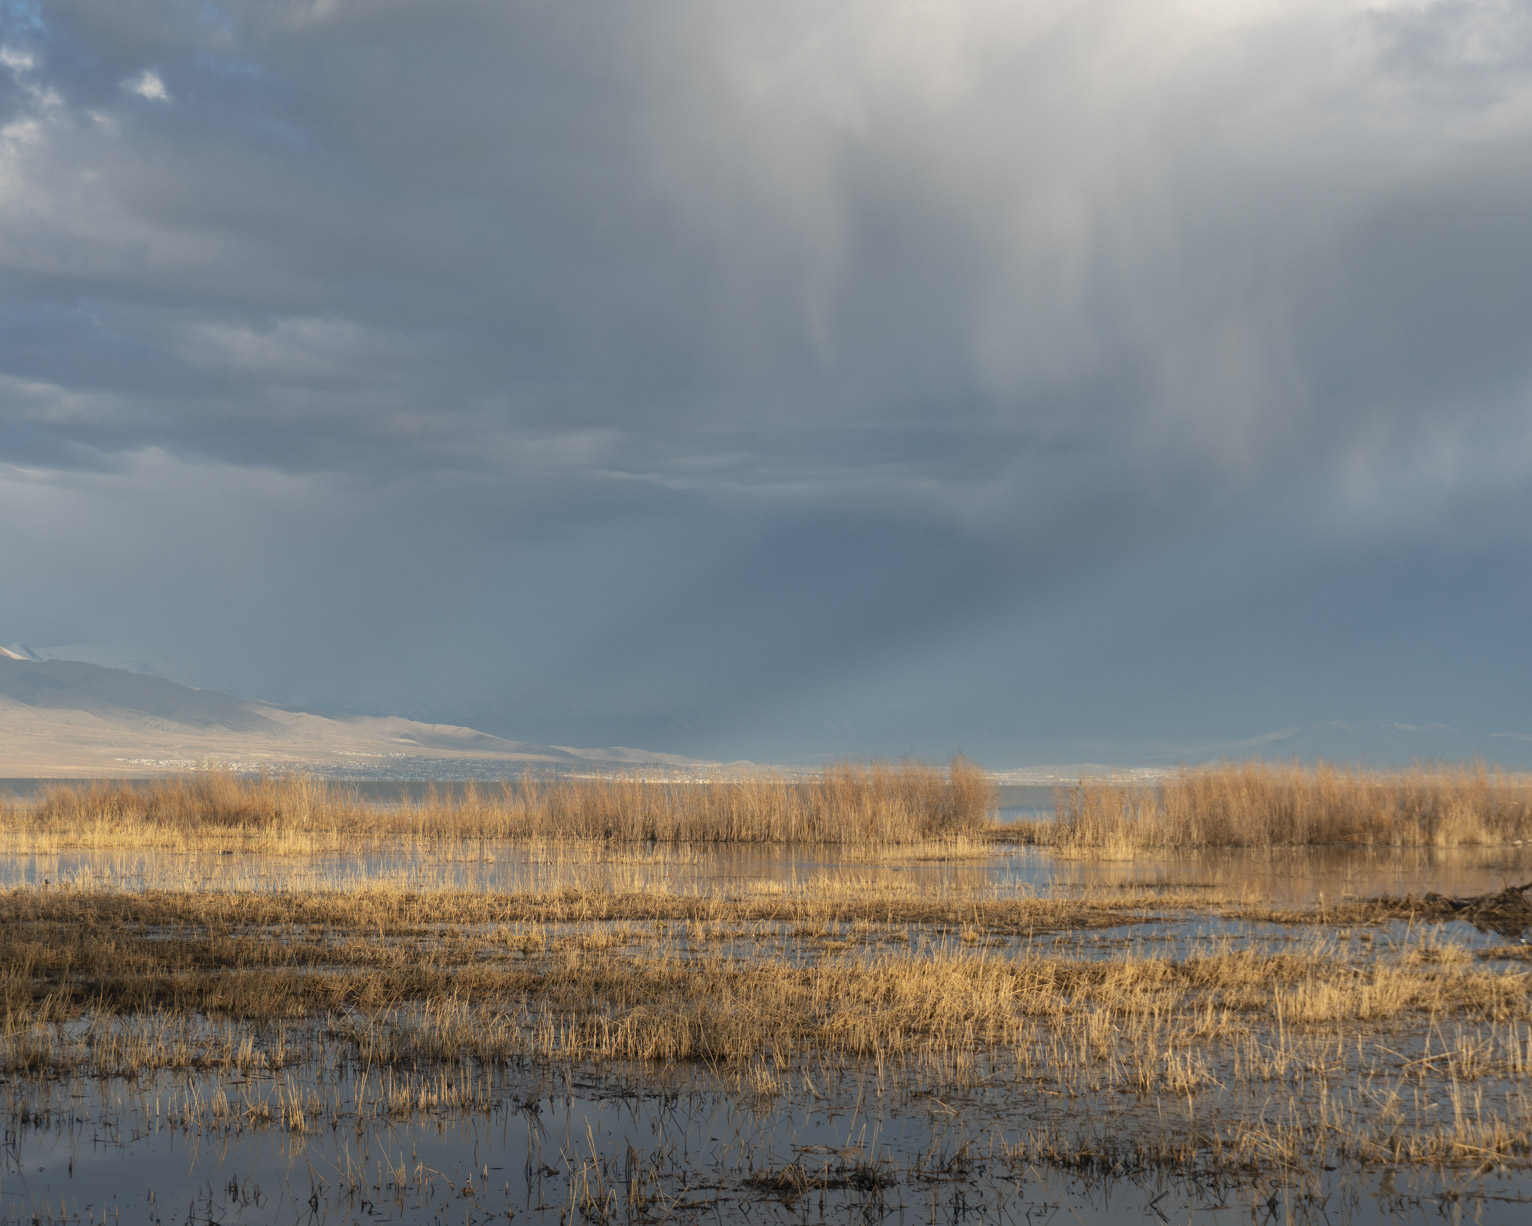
(262, 1001)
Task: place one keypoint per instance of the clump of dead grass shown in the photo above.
(1255, 804)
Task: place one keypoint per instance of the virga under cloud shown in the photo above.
(765, 379)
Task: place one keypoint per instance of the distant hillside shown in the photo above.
(1385, 744)
(64, 718)
(1378, 745)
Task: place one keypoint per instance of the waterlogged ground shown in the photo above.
(188, 1149)
(446, 1034)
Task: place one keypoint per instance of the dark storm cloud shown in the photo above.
(868, 352)
(381, 223)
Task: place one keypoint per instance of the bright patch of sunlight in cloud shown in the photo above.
(16, 60)
(147, 85)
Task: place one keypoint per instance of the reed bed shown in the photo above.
(861, 805)
(1391, 1043)
(411, 980)
(396, 912)
(1254, 804)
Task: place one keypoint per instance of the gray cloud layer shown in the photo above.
(763, 379)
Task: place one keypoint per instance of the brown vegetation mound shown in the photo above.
(1507, 911)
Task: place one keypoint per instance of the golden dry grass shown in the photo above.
(1390, 1043)
(857, 970)
(1259, 805)
(1362, 1033)
(863, 805)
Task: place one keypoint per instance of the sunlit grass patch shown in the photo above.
(1259, 805)
(859, 805)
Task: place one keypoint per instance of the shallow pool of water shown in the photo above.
(552, 1149)
(1279, 876)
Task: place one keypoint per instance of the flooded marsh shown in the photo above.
(949, 1029)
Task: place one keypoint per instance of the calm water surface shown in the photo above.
(555, 1150)
(1279, 876)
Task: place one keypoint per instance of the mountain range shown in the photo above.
(63, 718)
(67, 719)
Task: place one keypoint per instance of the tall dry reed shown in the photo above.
(847, 804)
(1255, 804)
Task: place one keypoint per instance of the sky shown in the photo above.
(778, 380)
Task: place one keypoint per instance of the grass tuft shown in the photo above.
(1254, 804)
